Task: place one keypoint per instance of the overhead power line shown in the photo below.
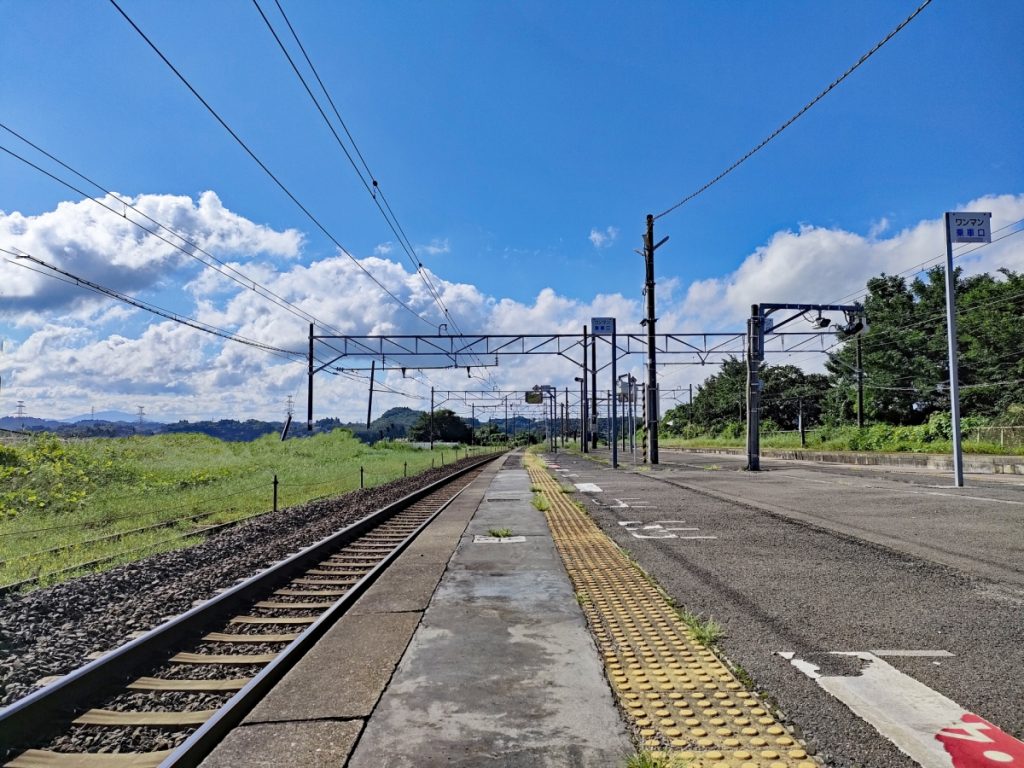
(369, 180)
(372, 186)
(316, 222)
(199, 325)
(224, 269)
(799, 114)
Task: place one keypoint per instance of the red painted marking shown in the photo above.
(977, 743)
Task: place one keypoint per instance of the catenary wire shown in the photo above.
(316, 222)
(372, 186)
(198, 325)
(236, 275)
(799, 114)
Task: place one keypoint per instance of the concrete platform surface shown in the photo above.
(502, 671)
(462, 654)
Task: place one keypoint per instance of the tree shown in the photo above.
(905, 354)
(446, 426)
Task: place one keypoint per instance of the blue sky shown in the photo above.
(521, 146)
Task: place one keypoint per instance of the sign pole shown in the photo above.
(615, 406)
(960, 228)
(954, 373)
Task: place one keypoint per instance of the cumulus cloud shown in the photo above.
(383, 249)
(603, 239)
(67, 356)
(821, 265)
(108, 248)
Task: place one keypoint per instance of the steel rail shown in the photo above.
(46, 712)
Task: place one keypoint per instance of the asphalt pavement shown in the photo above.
(810, 561)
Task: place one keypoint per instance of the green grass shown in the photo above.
(707, 632)
(655, 760)
(67, 494)
(540, 502)
(500, 533)
(878, 437)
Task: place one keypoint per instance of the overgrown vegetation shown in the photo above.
(905, 373)
(75, 496)
(500, 533)
(656, 760)
(541, 502)
(707, 631)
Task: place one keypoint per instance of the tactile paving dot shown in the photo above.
(677, 695)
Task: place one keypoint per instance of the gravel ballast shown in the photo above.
(51, 631)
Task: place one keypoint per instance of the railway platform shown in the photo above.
(505, 635)
(465, 652)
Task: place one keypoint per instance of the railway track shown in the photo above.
(167, 697)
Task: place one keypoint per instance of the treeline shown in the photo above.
(904, 362)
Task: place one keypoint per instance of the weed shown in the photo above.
(707, 632)
(500, 533)
(655, 760)
(711, 468)
(567, 488)
(540, 502)
(583, 599)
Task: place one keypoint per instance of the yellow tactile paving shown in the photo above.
(677, 695)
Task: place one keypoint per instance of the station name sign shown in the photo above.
(602, 326)
(969, 227)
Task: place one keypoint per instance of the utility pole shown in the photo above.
(565, 408)
(593, 389)
(860, 388)
(431, 418)
(584, 432)
(369, 405)
(309, 385)
(652, 370)
(755, 356)
(472, 424)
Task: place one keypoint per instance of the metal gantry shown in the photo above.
(444, 351)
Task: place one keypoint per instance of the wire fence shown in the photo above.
(1007, 437)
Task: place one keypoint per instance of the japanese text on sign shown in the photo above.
(969, 227)
(602, 326)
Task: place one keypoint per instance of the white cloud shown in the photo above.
(879, 227)
(820, 265)
(603, 239)
(85, 239)
(69, 354)
(383, 249)
(435, 247)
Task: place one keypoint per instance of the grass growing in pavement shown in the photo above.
(500, 533)
(75, 496)
(540, 502)
(655, 760)
(707, 631)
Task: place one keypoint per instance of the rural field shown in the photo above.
(64, 505)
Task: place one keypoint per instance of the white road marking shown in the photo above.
(912, 653)
(587, 488)
(478, 539)
(930, 728)
(659, 529)
(905, 490)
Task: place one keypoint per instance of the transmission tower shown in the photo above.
(141, 414)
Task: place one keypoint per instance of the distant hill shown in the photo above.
(112, 416)
(393, 424)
